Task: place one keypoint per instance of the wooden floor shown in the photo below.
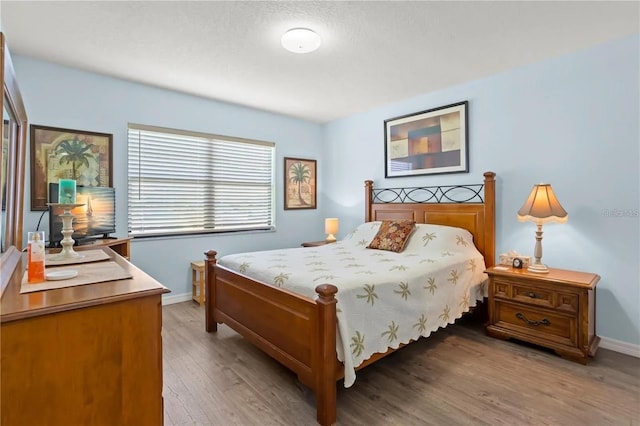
(458, 376)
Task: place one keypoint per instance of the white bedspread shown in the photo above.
(384, 298)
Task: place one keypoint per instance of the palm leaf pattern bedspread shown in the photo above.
(384, 298)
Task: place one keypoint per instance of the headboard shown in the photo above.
(471, 207)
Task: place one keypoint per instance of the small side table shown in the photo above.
(197, 281)
(316, 243)
(555, 310)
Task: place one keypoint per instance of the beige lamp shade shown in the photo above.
(542, 206)
(331, 228)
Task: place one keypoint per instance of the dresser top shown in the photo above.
(16, 306)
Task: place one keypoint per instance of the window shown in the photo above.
(185, 182)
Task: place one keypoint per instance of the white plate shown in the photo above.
(61, 275)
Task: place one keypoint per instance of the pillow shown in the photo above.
(362, 235)
(392, 235)
(438, 238)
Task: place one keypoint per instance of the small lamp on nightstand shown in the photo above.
(331, 228)
(542, 206)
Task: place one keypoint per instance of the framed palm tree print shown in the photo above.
(299, 184)
(86, 157)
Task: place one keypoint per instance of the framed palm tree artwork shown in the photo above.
(86, 157)
(299, 184)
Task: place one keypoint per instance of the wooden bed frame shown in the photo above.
(300, 332)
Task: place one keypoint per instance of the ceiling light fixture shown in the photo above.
(300, 40)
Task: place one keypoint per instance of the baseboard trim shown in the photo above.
(618, 346)
(176, 298)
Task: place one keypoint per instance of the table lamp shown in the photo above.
(542, 206)
(331, 228)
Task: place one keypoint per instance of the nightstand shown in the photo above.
(316, 243)
(555, 310)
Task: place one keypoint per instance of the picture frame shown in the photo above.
(300, 180)
(428, 142)
(58, 153)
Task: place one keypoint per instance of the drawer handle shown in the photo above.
(532, 295)
(544, 321)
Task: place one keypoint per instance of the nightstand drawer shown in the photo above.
(536, 322)
(535, 295)
(532, 295)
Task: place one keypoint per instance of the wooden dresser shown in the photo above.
(85, 355)
(556, 309)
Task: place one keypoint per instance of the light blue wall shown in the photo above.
(573, 122)
(63, 97)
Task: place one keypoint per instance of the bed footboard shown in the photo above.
(297, 331)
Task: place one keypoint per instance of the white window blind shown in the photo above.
(185, 182)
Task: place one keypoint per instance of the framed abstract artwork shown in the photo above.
(300, 181)
(427, 142)
(86, 157)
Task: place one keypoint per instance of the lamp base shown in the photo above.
(331, 238)
(67, 242)
(538, 268)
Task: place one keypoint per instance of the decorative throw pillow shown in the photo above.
(392, 235)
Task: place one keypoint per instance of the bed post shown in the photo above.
(489, 218)
(326, 361)
(368, 193)
(210, 293)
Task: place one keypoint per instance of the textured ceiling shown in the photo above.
(372, 53)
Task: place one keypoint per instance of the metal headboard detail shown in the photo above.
(430, 194)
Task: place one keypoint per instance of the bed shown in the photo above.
(302, 331)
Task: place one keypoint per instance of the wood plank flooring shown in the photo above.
(458, 376)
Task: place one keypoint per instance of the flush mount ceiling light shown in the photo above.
(300, 40)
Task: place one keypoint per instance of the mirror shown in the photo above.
(14, 127)
(14, 146)
(4, 173)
